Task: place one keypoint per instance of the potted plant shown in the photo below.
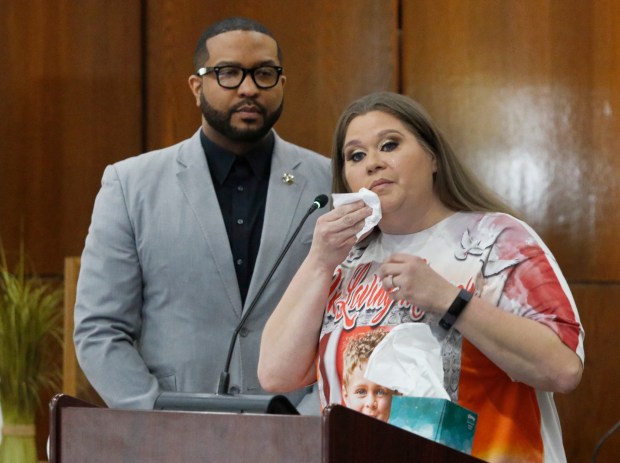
(30, 331)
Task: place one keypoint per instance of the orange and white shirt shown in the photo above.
(499, 259)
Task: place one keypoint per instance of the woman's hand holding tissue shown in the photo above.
(336, 233)
(371, 199)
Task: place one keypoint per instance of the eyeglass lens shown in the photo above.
(232, 76)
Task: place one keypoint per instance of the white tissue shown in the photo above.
(409, 360)
(370, 198)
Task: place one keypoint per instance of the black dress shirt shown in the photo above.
(241, 187)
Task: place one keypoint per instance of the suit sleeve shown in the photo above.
(109, 302)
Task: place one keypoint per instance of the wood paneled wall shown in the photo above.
(70, 88)
(527, 91)
(85, 83)
(333, 53)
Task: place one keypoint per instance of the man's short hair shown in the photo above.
(201, 55)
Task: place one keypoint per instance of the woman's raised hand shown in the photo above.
(335, 233)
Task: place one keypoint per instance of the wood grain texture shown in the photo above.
(70, 367)
(589, 411)
(527, 92)
(71, 103)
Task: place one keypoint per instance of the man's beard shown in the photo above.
(220, 121)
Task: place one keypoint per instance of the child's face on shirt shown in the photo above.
(367, 397)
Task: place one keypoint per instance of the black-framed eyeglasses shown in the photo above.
(232, 77)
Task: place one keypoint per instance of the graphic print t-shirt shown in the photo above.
(497, 258)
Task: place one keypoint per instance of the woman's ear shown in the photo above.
(434, 160)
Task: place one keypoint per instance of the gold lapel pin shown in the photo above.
(287, 178)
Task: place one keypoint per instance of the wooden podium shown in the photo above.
(82, 432)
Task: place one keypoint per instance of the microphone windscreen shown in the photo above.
(321, 201)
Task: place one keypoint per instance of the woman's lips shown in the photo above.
(377, 184)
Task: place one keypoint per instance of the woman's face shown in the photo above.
(382, 155)
(367, 397)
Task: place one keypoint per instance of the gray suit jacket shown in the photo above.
(157, 297)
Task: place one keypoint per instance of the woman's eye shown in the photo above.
(356, 156)
(389, 145)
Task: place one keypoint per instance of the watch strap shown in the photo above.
(457, 306)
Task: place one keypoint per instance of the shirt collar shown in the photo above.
(221, 160)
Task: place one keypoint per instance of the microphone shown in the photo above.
(222, 389)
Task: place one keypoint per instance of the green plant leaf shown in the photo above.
(30, 332)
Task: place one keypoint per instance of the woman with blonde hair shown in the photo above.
(446, 253)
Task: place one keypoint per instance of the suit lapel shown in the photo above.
(195, 182)
(282, 212)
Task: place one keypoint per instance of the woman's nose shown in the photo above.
(374, 161)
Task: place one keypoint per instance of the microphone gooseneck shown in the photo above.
(319, 202)
(602, 440)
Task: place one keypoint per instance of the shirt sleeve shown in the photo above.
(535, 286)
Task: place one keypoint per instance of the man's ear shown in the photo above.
(195, 85)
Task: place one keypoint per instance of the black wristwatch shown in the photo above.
(455, 309)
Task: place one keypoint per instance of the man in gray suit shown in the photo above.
(182, 238)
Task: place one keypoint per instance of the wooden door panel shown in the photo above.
(589, 411)
(526, 92)
(71, 103)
